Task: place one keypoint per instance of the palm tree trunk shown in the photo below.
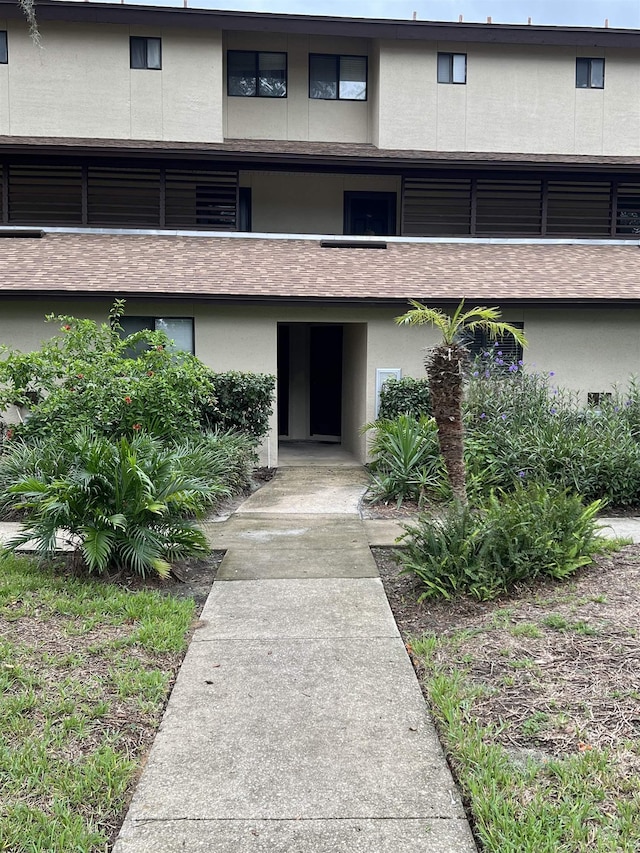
(444, 369)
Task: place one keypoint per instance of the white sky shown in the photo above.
(586, 13)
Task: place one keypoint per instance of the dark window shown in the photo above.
(178, 329)
(337, 78)
(504, 347)
(244, 209)
(145, 53)
(254, 74)
(370, 213)
(452, 68)
(4, 50)
(589, 73)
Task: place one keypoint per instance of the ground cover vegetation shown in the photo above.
(85, 669)
(536, 699)
(125, 443)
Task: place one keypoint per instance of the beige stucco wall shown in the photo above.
(517, 99)
(79, 84)
(354, 388)
(588, 349)
(306, 203)
(297, 116)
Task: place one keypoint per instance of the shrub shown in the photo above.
(88, 375)
(243, 402)
(127, 505)
(406, 396)
(406, 460)
(514, 538)
(520, 427)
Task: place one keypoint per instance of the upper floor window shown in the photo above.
(589, 73)
(452, 68)
(256, 74)
(145, 53)
(4, 51)
(337, 78)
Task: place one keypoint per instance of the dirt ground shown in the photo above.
(558, 664)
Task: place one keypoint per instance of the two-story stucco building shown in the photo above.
(271, 189)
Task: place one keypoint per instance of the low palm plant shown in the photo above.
(406, 463)
(127, 505)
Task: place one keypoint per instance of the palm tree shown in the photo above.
(444, 364)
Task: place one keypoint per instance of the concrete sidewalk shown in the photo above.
(296, 723)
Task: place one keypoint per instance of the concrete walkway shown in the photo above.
(296, 723)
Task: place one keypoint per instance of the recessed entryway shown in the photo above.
(321, 383)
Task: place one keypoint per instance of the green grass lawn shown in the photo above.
(85, 669)
(536, 697)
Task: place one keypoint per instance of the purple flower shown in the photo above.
(486, 374)
(504, 417)
(521, 363)
(628, 403)
(482, 416)
(496, 344)
(616, 408)
(513, 368)
(553, 411)
(485, 355)
(499, 352)
(475, 373)
(551, 373)
(521, 474)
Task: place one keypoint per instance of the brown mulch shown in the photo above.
(566, 654)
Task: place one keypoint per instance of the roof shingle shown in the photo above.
(261, 268)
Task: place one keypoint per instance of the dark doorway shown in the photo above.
(325, 381)
(284, 360)
(370, 213)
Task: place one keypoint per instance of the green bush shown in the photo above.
(90, 375)
(520, 427)
(406, 396)
(243, 402)
(519, 537)
(406, 459)
(127, 505)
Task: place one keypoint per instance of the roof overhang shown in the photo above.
(189, 18)
(284, 154)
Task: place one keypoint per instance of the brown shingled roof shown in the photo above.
(262, 268)
(283, 151)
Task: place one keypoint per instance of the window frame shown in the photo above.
(351, 196)
(337, 57)
(4, 47)
(145, 40)
(152, 322)
(450, 55)
(256, 55)
(588, 61)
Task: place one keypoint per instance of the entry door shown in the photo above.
(325, 381)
